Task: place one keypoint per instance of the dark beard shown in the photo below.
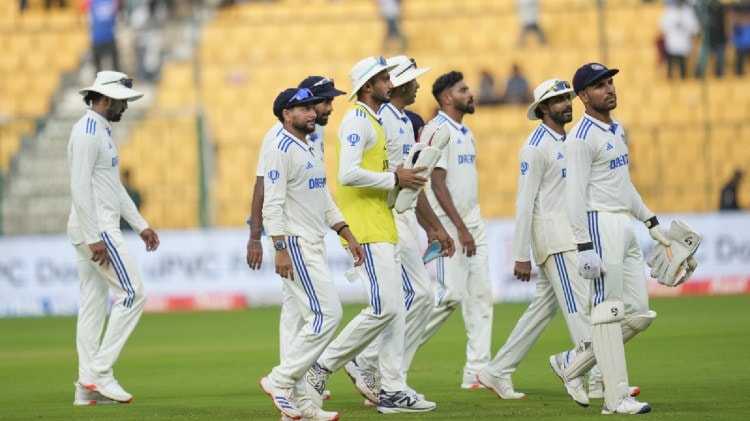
(303, 128)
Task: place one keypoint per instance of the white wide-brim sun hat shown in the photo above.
(364, 70)
(546, 90)
(405, 70)
(113, 84)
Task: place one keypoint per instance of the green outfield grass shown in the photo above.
(693, 363)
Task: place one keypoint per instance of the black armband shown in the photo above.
(651, 222)
(338, 231)
(395, 176)
(586, 246)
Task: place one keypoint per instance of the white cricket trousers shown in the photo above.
(558, 286)
(384, 313)
(96, 354)
(315, 300)
(466, 280)
(615, 241)
(419, 297)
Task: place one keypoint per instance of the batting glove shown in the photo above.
(590, 265)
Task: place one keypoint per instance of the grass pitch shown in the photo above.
(693, 363)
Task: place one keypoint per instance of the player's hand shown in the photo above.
(660, 235)
(284, 264)
(522, 271)
(590, 265)
(99, 253)
(150, 238)
(408, 177)
(468, 247)
(254, 253)
(447, 246)
(358, 253)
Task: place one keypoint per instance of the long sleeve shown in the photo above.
(579, 156)
(639, 209)
(129, 211)
(353, 144)
(84, 151)
(275, 192)
(333, 214)
(529, 180)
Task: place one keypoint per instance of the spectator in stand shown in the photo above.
(102, 14)
(728, 200)
(517, 89)
(487, 89)
(715, 41)
(680, 26)
(390, 11)
(741, 35)
(528, 14)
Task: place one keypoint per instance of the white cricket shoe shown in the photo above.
(363, 380)
(314, 413)
(503, 388)
(107, 387)
(470, 381)
(397, 402)
(596, 390)
(574, 386)
(326, 394)
(281, 397)
(85, 397)
(315, 382)
(628, 405)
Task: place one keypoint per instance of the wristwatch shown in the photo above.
(279, 245)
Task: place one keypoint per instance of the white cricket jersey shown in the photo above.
(314, 140)
(98, 196)
(297, 201)
(598, 176)
(458, 159)
(358, 133)
(542, 223)
(399, 134)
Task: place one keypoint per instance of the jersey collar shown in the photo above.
(100, 118)
(372, 113)
(300, 143)
(602, 125)
(553, 134)
(460, 127)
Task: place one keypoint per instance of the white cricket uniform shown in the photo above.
(298, 205)
(290, 320)
(363, 184)
(463, 279)
(98, 201)
(600, 197)
(543, 226)
(419, 297)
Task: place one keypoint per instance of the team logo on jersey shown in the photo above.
(273, 175)
(609, 146)
(560, 156)
(524, 167)
(353, 139)
(309, 165)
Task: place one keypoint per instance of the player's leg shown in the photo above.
(497, 374)
(451, 274)
(477, 311)
(92, 310)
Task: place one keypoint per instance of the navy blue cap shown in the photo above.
(321, 86)
(590, 73)
(294, 97)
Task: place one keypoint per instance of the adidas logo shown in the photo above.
(609, 146)
(309, 165)
(401, 130)
(560, 156)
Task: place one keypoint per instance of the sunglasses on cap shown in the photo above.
(128, 83)
(413, 65)
(378, 61)
(301, 95)
(557, 87)
(323, 82)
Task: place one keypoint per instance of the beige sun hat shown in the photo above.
(405, 70)
(364, 70)
(546, 90)
(113, 84)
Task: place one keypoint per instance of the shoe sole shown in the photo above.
(92, 387)
(497, 392)
(470, 386)
(646, 408)
(403, 410)
(356, 386)
(276, 404)
(553, 366)
(94, 402)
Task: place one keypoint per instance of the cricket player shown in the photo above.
(298, 210)
(600, 199)
(453, 194)
(104, 260)
(364, 181)
(419, 297)
(543, 229)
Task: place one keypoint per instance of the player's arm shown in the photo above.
(431, 224)
(83, 159)
(641, 212)
(445, 200)
(254, 243)
(275, 191)
(129, 211)
(529, 180)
